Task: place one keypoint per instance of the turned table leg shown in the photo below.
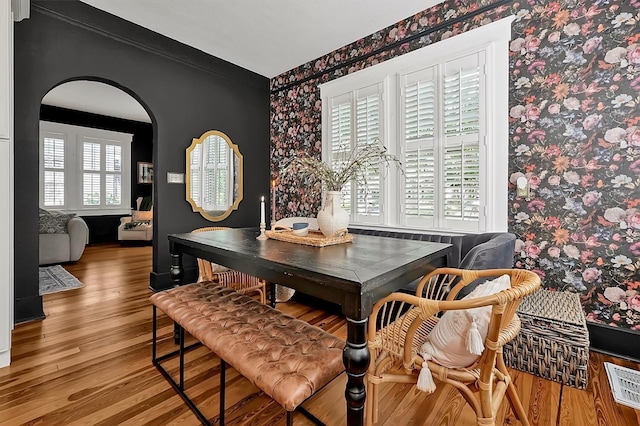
(356, 359)
(176, 272)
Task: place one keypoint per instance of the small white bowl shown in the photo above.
(301, 232)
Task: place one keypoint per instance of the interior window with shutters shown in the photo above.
(53, 147)
(432, 109)
(84, 170)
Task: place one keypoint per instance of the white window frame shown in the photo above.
(74, 137)
(492, 39)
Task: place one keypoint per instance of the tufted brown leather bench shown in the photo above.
(286, 358)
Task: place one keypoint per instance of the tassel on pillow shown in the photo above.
(425, 379)
(474, 342)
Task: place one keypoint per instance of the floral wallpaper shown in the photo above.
(574, 131)
(574, 126)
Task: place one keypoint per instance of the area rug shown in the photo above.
(55, 278)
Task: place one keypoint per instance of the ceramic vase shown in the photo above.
(332, 218)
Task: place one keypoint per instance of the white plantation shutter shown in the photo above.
(418, 110)
(113, 177)
(368, 129)
(462, 97)
(355, 121)
(113, 189)
(420, 186)
(461, 183)
(210, 185)
(340, 139)
(53, 173)
(462, 101)
(91, 189)
(223, 166)
(195, 173)
(91, 181)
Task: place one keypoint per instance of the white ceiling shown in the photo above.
(268, 37)
(97, 98)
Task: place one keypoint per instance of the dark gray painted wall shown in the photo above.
(185, 92)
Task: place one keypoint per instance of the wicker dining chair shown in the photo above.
(238, 281)
(401, 323)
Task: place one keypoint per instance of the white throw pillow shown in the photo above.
(447, 344)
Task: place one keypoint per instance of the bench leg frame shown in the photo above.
(179, 386)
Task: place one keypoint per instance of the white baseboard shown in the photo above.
(5, 358)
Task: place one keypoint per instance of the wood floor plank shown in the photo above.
(89, 363)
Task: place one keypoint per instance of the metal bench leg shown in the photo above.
(156, 360)
(223, 371)
(181, 339)
(154, 334)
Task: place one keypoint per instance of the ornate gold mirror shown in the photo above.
(214, 175)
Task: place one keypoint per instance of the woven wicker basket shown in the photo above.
(553, 342)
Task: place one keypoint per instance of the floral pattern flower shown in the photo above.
(575, 135)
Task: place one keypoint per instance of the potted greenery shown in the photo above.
(356, 165)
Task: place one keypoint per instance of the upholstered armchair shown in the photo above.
(430, 338)
(138, 226)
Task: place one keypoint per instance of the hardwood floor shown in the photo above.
(88, 363)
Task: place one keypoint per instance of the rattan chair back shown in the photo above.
(400, 324)
(239, 281)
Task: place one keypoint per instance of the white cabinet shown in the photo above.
(6, 59)
(6, 182)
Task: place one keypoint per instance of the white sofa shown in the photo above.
(64, 247)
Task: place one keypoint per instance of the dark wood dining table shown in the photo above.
(353, 275)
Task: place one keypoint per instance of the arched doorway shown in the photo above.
(94, 136)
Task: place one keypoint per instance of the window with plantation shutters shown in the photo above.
(442, 127)
(356, 122)
(340, 139)
(443, 111)
(368, 124)
(113, 175)
(84, 170)
(418, 113)
(463, 93)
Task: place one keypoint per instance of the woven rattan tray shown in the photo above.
(313, 238)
